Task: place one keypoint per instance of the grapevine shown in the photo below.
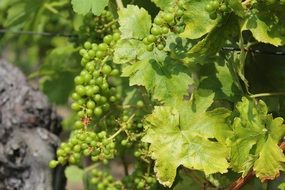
(180, 93)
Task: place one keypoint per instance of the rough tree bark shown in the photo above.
(28, 135)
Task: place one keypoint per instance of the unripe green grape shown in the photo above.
(87, 45)
(94, 47)
(103, 99)
(106, 69)
(108, 39)
(103, 47)
(75, 96)
(79, 89)
(81, 114)
(124, 142)
(87, 77)
(116, 36)
(160, 46)
(140, 104)
(60, 152)
(96, 73)
(145, 41)
(91, 104)
(209, 8)
(97, 98)
(151, 38)
(53, 163)
(86, 152)
(77, 148)
(100, 54)
(104, 86)
(137, 154)
(75, 106)
(78, 80)
(98, 111)
(115, 72)
(215, 4)
(83, 72)
(92, 82)
(61, 160)
(164, 30)
(82, 52)
(99, 81)
(72, 160)
(180, 13)
(149, 47)
(158, 20)
(78, 125)
(141, 184)
(91, 53)
(112, 98)
(86, 56)
(155, 31)
(81, 101)
(168, 17)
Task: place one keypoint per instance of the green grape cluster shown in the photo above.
(96, 85)
(216, 7)
(104, 181)
(94, 28)
(165, 22)
(86, 143)
(141, 150)
(140, 181)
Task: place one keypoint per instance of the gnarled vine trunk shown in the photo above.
(28, 135)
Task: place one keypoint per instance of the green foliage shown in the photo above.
(85, 6)
(158, 88)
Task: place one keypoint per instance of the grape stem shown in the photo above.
(120, 4)
(123, 127)
(268, 94)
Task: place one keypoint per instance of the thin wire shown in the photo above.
(49, 34)
(256, 51)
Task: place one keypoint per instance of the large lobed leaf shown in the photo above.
(182, 137)
(167, 82)
(134, 22)
(198, 22)
(267, 24)
(255, 142)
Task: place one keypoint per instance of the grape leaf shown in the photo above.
(267, 25)
(182, 138)
(216, 76)
(160, 79)
(85, 6)
(271, 160)
(254, 130)
(74, 173)
(128, 50)
(134, 22)
(198, 22)
(163, 4)
(60, 67)
(215, 40)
